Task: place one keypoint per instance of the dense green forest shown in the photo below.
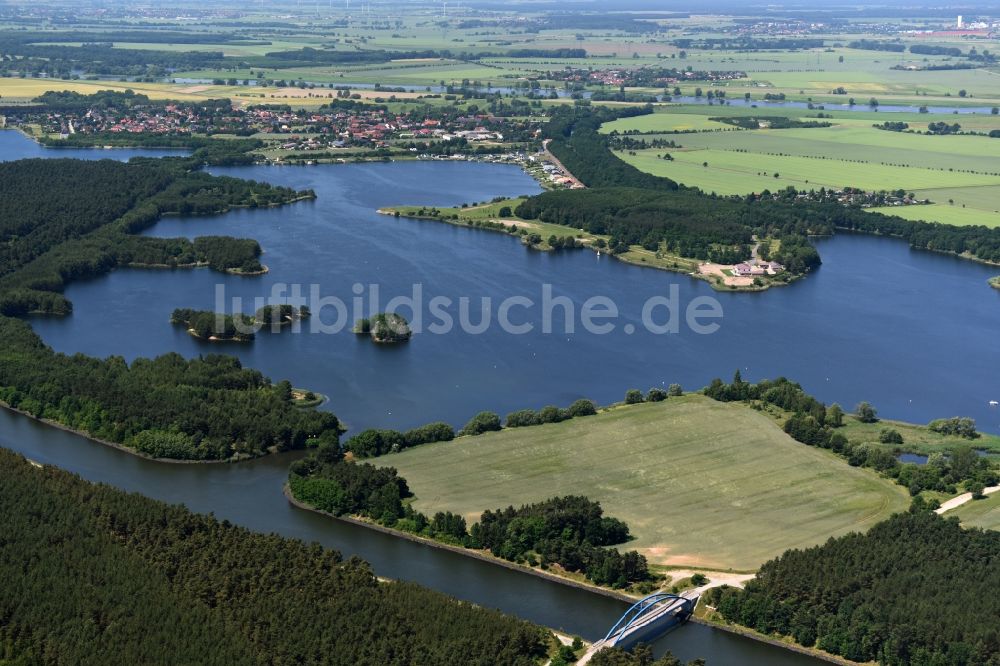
(119, 578)
(916, 590)
(33, 219)
(656, 212)
(169, 407)
(571, 532)
(813, 424)
(51, 236)
(684, 223)
(573, 137)
(979, 242)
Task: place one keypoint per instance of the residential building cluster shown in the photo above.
(327, 127)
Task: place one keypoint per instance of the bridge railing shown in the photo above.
(637, 611)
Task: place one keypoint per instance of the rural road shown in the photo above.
(956, 502)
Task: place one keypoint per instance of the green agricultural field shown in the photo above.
(960, 174)
(664, 122)
(27, 89)
(730, 172)
(945, 213)
(859, 143)
(983, 513)
(237, 49)
(699, 482)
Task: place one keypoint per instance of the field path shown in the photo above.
(964, 498)
(715, 578)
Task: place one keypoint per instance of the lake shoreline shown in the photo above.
(958, 255)
(122, 447)
(624, 258)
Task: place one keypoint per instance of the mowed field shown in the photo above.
(959, 174)
(700, 483)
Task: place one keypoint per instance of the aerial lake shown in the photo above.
(859, 328)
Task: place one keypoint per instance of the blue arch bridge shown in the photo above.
(647, 619)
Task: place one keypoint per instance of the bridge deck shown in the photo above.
(645, 624)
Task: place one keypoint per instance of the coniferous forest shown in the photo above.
(119, 578)
(917, 590)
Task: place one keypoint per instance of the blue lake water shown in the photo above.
(15, 146)
(912, 332)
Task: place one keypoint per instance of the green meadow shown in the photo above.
(700, 483)
(731, 172)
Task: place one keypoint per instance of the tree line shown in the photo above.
(209, 407)
(378, 442)
(570, 532)
(657, 217)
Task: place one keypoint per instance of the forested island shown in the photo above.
(52, 237)
(277, 316)
(119, 578)
(210, 408)
(385, 328)
(221, 327)
(215, 326)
